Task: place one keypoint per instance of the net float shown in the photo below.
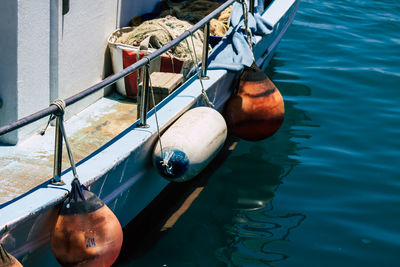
(86, 232)
(7, 260)
(190, 144)
(257, 110)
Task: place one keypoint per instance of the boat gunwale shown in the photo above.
(56, 201)
(67, 174)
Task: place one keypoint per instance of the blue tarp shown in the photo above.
(233, 52)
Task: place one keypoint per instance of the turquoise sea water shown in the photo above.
(325, 190)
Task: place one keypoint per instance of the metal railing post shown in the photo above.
(58, 144)
(144, 98)
(206, 42)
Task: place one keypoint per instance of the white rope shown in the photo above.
(60, 104)
(164, 160)
(203, 91)
(172, 60)
(245, 8)
(70, 156)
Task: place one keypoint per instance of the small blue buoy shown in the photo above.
(173, 164)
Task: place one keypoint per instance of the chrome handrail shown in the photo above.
(113, 78)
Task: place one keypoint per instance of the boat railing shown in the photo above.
(52, 109)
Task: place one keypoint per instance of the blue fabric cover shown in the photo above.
(233, 52)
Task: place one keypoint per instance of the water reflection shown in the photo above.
(240, 183)
(233, 222)
(258, 237)
(257, 233)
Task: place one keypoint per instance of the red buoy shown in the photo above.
(7, 260)
(86, 232)
(257, 110)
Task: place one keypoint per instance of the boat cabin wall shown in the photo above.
(8, 64)
(50, 53)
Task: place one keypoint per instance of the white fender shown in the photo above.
(190, 144)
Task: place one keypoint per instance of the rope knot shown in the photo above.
(60, 104)
(166, 157)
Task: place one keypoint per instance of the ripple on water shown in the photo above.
(325, 189)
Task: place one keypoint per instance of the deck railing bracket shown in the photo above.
(143, 125)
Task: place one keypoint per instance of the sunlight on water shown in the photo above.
(325, 190)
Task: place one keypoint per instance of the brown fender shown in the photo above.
(86, 232)
(7, 260)
(257, 110)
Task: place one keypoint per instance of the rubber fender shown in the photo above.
(190, 144)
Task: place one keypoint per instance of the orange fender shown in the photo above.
(257, 110)
(86, 232)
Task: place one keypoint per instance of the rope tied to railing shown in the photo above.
(60, 104)
(246, 27)
(165, 158)
(194, 58)
(69, 152)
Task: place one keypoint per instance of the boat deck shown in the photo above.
(30, 163)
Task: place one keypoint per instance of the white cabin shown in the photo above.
(48, 55)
